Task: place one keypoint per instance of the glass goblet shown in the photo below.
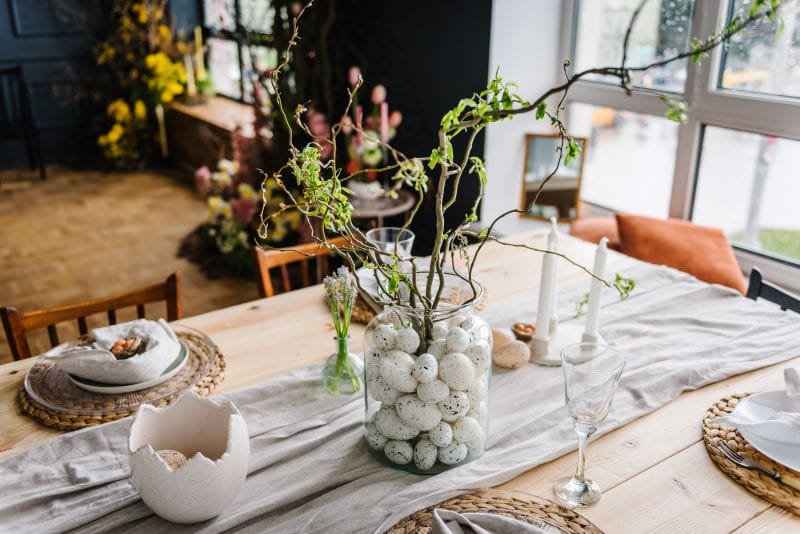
(591, 374)
(392, 240)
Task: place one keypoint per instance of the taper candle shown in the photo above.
(546, 291)
(198, 51)
(384, 122)
(599, 270)
(191, 88)
(554, 287)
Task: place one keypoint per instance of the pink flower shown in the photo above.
(202, 179)
(244, 209)
(353, 76)
(395, 118)
(378, 94)
(347, 125)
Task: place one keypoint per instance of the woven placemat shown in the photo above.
(363, 314)
(754, 481)
(522, 506)
(48, 396)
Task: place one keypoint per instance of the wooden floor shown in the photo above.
(83, 234)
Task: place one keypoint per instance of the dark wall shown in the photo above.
(53, 40)
(429, 54)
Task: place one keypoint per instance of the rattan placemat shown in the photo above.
(755, 482)
(521, 506)
(48, 396)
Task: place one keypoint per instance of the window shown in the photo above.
(733, 163)
(237, 31)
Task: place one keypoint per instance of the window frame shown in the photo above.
(709, 105)
(241, 36)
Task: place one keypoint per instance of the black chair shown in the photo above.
(760, 288)
(16, 115)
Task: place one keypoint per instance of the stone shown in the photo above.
(437, 348)
(501, 337)
(512, 355)
(381, 391)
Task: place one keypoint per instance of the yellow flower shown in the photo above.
(115, 133)
(119, 111)
(105, 53)
(139, 110)
(102, 140)
(216, 207)
(247, 192)
(164, 33)
(141, 13)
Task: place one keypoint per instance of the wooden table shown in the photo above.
(655, 472)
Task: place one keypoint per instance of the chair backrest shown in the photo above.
(14, 104)
(266, 260)
(758, 287)
(18, 324)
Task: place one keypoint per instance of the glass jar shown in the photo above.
(427, 383)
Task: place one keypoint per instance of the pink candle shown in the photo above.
(384, 122)
(359, 119)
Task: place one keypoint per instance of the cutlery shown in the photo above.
(740, 460)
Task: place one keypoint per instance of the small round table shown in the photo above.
(378, 209)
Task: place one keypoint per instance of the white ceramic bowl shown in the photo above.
(212, 435)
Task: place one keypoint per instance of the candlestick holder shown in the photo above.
(547, 352)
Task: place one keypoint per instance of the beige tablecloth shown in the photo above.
(310, 470)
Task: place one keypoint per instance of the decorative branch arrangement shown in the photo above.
(324, 185)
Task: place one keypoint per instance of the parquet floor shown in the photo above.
(84, 234)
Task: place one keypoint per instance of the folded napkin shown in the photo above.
(775, 417)
(450, 522)
(95, 361)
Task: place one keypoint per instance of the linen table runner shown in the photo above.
(310, 470)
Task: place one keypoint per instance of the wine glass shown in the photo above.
(392, 240)
(591, 375)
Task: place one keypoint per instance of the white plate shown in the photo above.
(763, 406)
(108, 389)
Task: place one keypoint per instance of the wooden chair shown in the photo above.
(758, 287)
(266, 260)
(18, 324)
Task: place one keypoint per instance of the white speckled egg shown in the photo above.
(456, 370)
(457, 340)
(456, 405)
(478, 411)
(456, 320)
(426, 368)
(391, 426)
(425, 454)
(399, 452)
(372, 358)
(418, 414)
(437, 348)
(435, 391)
(480, 354)
(467, 430)
(376, 440)
(407, 340)
(383, 337)
(381, 391)
(441, 434)
(439, 330)
(453, 453)
(476, 447)
(396, 368)
(478, 390)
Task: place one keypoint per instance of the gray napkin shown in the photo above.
(450, 522)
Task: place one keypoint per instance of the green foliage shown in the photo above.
(677, 109)
(411, 172)
(573, 150)
(624, 285)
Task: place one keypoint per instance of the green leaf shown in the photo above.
(541, 109)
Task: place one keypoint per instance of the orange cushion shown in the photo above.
(593, 229)
(698, 250)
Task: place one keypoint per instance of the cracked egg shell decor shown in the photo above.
(214, 438)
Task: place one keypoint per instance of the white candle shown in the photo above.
(599, 270)
(554, 285)
(198, 51)
(162, 130)
(191, 88)
(546, 290)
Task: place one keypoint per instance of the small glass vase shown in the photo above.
(342, 372)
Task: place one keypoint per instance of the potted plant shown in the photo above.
(427, 356)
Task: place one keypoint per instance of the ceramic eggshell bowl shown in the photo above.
(212, 435)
